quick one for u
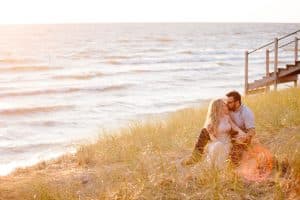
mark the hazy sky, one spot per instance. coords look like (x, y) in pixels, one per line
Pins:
(76, 11)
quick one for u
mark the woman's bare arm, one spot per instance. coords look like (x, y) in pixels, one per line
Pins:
(211, 132)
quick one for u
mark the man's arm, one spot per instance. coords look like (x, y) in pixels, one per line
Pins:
(249, 125)
(250, 134)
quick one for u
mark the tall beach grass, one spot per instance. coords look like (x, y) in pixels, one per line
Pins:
(142, 161)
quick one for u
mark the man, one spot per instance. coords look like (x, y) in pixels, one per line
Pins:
(243, 117)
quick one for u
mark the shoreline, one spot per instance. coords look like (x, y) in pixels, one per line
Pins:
(142, 118)
(149, 153)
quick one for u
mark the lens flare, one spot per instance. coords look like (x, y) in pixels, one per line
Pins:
(256, 164)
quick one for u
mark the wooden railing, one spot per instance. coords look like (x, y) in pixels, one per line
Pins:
(268, 51)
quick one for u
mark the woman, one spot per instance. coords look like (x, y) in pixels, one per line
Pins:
(256, 163)
(219, 126)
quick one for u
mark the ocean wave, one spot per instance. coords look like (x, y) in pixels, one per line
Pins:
(26, 148)
(188, 79)
(186, 52)
(116, 57)
(34, 110)
(164, 39)
(190, 57)
(109, 88)
(113, 62)
(85, 54)
(158, 61)
(123, 41)
(46, 123)
(81, 55)
(39, 92)
(133, 71)
(179, 69)
(64, 91)
(152, 50)
(79, 76)
(15, 61)
(224, 64)
(26, 69)
(179, 103)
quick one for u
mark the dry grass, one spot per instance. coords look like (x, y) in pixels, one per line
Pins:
(142, 161)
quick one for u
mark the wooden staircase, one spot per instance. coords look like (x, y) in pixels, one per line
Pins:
(279, 75)
(284, 75)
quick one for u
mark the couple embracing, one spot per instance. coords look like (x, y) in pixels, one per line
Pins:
(227, 134)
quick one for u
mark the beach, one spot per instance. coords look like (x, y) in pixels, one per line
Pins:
(110, 111)
(142, 161)
(61, 85)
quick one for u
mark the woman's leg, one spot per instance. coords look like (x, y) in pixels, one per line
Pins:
(219, 154)
(197, 153)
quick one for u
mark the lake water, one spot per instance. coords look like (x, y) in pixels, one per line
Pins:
(60, 84)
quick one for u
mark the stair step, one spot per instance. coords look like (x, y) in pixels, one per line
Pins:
(290, 65)
(272, 73)
(266, 77)
(284, 74)
(281, 69)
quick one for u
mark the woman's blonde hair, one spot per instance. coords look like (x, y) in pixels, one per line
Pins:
(213, 115)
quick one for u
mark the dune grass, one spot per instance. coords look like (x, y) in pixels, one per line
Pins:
(142, 161)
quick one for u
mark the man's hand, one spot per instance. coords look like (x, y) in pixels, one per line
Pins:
(246, 138)
(241, 138)
(251, 132)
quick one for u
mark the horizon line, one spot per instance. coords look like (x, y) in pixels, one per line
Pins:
(152, 22)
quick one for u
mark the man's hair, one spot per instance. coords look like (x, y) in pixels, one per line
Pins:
(236, 96)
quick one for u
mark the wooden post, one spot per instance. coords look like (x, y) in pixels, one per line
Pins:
(296, 57)
(267, 67)
(275, 63)
(296, 49)
(246, 72)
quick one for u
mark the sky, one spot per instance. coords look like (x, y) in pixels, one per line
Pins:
(91, 11)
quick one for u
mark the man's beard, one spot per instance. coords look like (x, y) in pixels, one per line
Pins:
(231, 109)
